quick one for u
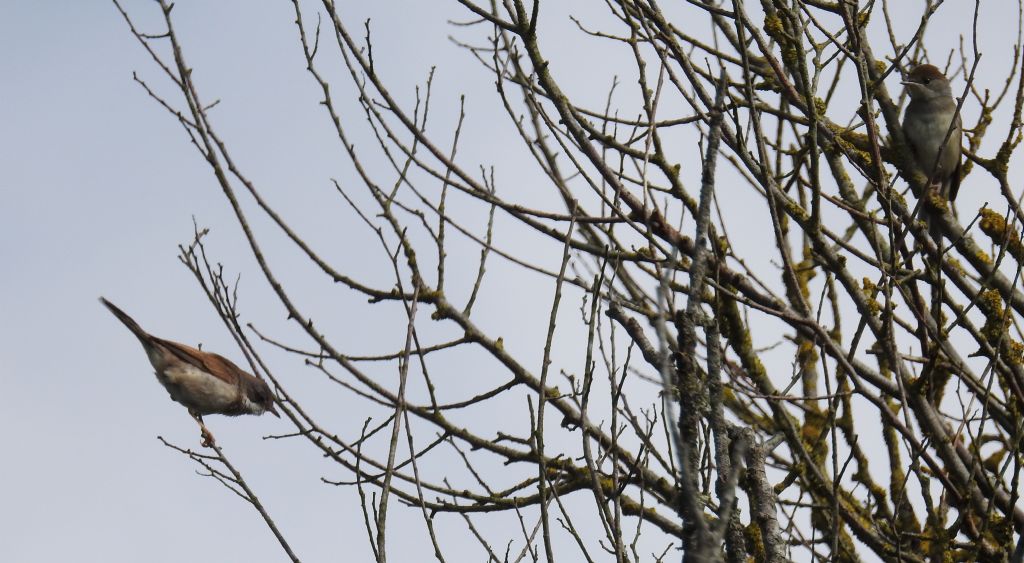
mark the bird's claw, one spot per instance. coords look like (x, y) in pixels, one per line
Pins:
(204, 432)
(207, 438)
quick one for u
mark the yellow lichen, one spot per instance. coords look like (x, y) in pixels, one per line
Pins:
(1013, 351)
(863, 18)
(773, 26)
(957, 265)
(994, 225)
(871, 290)
(820, 106)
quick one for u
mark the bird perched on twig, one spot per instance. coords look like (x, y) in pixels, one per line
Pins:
(932, 128)
(204, 382)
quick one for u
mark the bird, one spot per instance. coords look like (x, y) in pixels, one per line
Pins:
(932, 128)
(204, 382)
(927, 121)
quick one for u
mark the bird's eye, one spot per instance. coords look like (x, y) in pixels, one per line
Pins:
(927, 80)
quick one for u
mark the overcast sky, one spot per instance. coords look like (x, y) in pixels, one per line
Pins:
(98, 187)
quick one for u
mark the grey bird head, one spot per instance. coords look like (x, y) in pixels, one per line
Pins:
(259, 398)
(926, 82)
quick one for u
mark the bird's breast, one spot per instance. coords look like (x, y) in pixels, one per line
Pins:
(199, 390)
(925, 127)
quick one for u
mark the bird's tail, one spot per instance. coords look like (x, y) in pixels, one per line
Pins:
(128, 321)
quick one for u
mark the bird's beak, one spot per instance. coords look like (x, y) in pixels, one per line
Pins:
(272, 410)
(906, 82)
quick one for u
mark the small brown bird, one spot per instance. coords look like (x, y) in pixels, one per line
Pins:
(926, 123)
(204, 382)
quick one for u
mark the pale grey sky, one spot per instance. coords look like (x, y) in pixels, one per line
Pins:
(98, 186)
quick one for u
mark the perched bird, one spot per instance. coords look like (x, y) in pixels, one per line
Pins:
(933, 129)
(925, 125)
(204, 382)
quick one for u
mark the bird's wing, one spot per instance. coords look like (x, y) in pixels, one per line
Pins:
(214, 364)
(954, 179)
